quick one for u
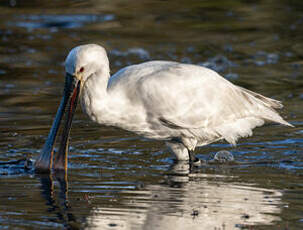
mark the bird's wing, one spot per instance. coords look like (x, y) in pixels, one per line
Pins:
(189, 96)
(195, 98)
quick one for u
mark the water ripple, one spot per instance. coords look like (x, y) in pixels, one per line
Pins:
(68, 21)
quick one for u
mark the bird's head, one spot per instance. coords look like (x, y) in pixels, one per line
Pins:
(85, 60)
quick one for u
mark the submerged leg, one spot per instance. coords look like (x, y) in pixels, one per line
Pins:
(182, 153)
(178, 150)
(192, 156)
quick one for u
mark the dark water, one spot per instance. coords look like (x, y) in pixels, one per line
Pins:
(117, 180)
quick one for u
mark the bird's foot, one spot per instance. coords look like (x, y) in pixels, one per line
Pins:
(194, 161)
(197, 162)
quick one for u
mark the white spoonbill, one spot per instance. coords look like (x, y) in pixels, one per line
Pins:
(182, 104)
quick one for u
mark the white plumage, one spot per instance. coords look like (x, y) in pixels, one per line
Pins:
(185, 105)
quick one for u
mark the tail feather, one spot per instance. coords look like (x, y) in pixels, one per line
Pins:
(264, 111)
(269, 102)
(268, 111)
(272, 116)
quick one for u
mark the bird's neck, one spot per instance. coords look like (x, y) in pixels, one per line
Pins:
(94, 96)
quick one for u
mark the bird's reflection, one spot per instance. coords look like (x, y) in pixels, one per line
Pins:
(192, 200)
(186, 199)
(57, 201)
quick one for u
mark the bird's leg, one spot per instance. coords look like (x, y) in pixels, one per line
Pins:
(178, 150)
(192, 157)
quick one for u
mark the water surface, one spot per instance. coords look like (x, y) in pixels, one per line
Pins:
(117, 180)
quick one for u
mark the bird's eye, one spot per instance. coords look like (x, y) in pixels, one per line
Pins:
(81, 69)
